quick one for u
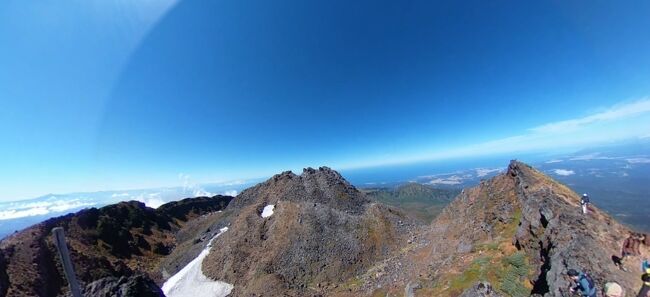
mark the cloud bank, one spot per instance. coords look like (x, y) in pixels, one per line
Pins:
(53, 204)
(630, 120)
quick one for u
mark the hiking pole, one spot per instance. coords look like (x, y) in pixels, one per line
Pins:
(62, 247)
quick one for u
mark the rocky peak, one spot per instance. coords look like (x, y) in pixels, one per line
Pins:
(532, 227)
(321, 186)
(553, 231)
(322, 234)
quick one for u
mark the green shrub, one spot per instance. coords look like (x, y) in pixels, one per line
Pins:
(512, 279)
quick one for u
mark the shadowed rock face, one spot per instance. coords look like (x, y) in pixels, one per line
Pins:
(134, 286)
(323, 233)
(4, 278)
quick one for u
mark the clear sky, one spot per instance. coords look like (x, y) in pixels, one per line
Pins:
(98, 95)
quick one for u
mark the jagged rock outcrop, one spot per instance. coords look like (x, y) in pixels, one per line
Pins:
(323, 233)
(323, 186)
(134, 286)
(557, 236)
(189, 208)
(115, 241)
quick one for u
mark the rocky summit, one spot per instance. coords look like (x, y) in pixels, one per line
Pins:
(521, 231)
(323, 233)
(315, 234)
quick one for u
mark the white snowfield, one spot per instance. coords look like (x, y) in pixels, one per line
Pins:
(268, 211)
(191, 282)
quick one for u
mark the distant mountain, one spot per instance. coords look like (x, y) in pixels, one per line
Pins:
(17, 215)
(423, 202)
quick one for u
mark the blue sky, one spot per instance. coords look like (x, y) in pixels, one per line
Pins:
(98, 95)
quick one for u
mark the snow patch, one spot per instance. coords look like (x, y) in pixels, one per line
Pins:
(191, 282)
(563, 172)
(268, 211)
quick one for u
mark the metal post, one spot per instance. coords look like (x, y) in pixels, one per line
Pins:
(62, 247)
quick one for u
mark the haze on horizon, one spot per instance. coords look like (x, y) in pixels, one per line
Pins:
(98, 95)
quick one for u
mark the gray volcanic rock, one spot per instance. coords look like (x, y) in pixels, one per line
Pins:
(482, 289)
(137, 285)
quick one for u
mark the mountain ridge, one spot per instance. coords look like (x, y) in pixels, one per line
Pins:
(515, 234)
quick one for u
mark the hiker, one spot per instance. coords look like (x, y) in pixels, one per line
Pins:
(613, 289)
(584, 202)
(627, 250)
(584, 284)
(636, 244)
(645, 266)
(645, 289)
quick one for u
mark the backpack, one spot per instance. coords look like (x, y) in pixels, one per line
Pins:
(590, 281)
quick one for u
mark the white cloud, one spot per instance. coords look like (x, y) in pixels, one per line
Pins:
(553, 161)
(638, 160)
(230, 193)
(116, 195)
(563, 172)
(481, 172)
(191, 188)
(27, 209)
(152, 200)
(452, 180)
(620, 111)
(620, 122)
(15, 214)
(592, 156)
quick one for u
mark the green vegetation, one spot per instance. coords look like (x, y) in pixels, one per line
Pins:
(478, 270)
(420, 201)
(512, 278)
(508, 274)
